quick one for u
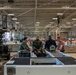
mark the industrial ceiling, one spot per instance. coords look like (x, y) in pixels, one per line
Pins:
(40, 15)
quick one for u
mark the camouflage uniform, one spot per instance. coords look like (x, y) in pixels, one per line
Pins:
(24, 46)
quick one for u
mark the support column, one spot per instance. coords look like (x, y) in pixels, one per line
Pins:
(57, 32)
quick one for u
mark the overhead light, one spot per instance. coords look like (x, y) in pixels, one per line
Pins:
(10, 14)
(73, 19)
(6, 6)
(38, 22)
(65, 7)
(47, 26)
(55, 18)
(68, 23)
(17, 22)
(14, 18)
(59, 13)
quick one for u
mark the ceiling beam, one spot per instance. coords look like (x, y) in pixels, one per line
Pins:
(56, 8)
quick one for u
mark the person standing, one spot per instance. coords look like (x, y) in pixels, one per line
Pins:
(24, 45)
(24, 49)
(60, 45)
(37, 44)
(50, 44)
(38, 48)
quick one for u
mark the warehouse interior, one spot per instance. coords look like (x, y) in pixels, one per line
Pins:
(42, 18)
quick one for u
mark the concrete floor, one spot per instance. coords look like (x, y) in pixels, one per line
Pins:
(72, 54)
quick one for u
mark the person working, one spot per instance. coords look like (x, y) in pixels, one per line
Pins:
(24, 49)
(50, 44)
(24, 45)
(37, 44)
(38, 48)
(60, 45)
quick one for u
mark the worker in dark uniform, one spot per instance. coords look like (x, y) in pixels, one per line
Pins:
(38, 47)
(50, 44)
(24, 48)
(37, 44)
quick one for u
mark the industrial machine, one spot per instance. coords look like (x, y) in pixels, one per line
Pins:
(57, 64)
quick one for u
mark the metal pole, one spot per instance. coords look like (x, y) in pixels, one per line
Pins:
(35, 16)
(35, 12)
(71, 36)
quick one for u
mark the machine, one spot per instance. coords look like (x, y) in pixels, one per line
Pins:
(57, 63)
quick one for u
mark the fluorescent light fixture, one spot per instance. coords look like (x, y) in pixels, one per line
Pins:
(14, 18)
(73, 19)
(47, 26)
(59, 13)
(10, 14)
(38, 22)
(17, 22)
(55, 18)
(65, 7)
